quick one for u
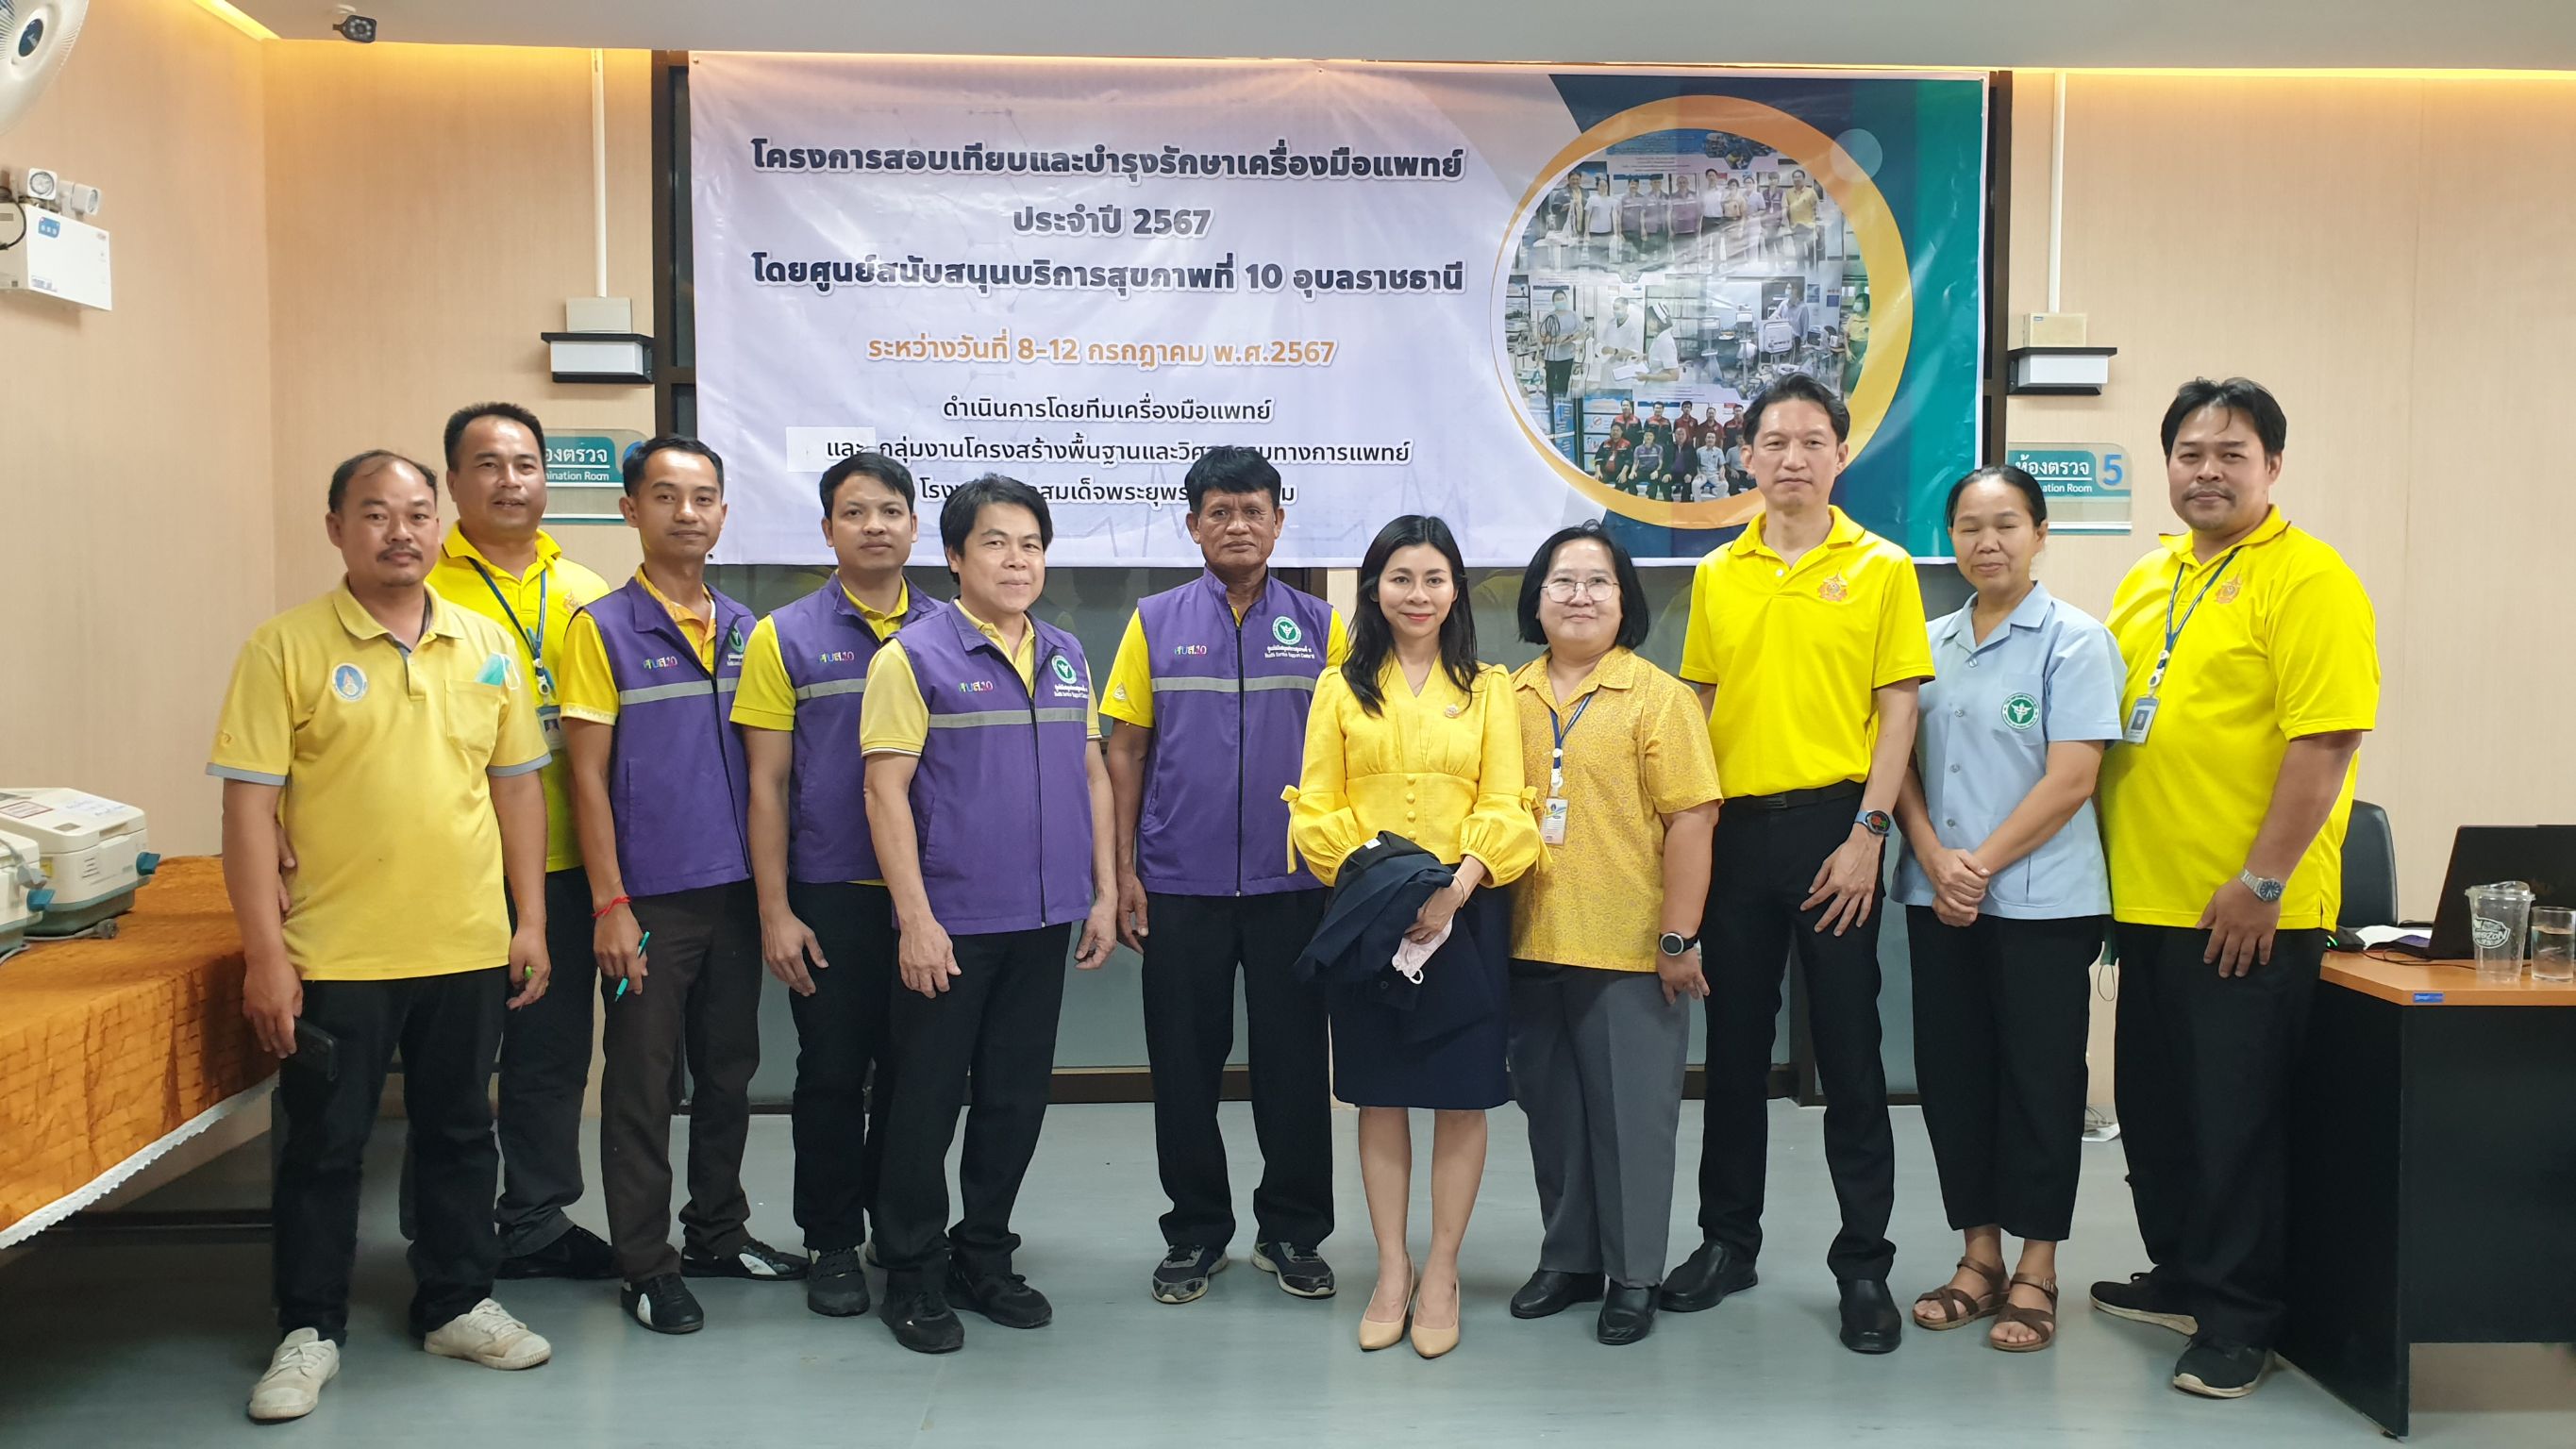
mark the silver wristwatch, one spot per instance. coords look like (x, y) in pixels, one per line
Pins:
(2265, 889)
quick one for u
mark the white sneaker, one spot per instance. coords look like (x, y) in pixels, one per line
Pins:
(488, 1335)
(304, 1362)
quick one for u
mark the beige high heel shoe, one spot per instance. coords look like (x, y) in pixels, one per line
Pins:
(1433, 1342)
(1378, 1333)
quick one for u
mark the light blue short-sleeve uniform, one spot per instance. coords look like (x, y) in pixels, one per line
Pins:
(2049, 674)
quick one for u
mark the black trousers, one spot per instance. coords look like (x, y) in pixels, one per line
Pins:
(700, 999)
(841, 1079)
(1765, 862)
(2203, 1071)
(2000, 1011)
(1191, 948)
(447, 1029)
(545, 1069)
(997, 1020)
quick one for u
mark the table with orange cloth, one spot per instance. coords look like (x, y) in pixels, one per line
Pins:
(114, 1051)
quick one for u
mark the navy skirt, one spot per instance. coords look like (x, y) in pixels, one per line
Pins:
(1381, 1055)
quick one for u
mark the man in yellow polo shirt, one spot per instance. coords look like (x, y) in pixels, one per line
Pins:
(2253, 673)
(1807, 642)
(498, 562)
(394, 736)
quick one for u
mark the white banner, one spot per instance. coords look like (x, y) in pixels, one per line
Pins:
(1083, 273)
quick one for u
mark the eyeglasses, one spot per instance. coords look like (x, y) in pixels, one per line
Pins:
(1566, 591)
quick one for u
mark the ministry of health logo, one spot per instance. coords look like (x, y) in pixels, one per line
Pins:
(1284, 629)
(1064, 672)
(2021, 711)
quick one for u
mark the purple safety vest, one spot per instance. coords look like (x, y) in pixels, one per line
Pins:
(1230, 705)
(827, 646)
(676, 777)
(1002, 799)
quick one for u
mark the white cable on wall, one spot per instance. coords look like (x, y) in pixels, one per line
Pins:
(2056, 194)
(599, 171)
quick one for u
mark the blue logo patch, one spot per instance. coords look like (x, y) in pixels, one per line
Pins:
(349, 682)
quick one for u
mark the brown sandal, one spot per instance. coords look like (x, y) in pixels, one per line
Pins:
(2040, 1321)
(1956, 1306)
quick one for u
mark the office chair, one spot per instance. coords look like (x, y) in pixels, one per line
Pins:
(2369, 869)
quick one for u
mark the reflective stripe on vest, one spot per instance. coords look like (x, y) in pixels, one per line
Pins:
(1301, 683)
(831, 687)
(656, 693)
(990, 718)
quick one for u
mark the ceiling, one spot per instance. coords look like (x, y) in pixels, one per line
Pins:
(2193, 34)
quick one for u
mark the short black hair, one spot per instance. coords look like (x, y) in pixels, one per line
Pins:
(1634, 618)
(2021, 482)
(465, 417)
(642, 453)
(2242, 396)
(867, 465)
(366, 462)
(957, 515)
(1798, 387)
(1230, 470)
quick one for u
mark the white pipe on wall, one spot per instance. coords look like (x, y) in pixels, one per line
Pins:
(2056, 193)
(599, 170)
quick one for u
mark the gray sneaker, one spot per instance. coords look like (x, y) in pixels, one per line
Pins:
(1182, 1276)
(1300, 1271)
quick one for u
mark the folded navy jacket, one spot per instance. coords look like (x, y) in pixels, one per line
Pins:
(1376, 895)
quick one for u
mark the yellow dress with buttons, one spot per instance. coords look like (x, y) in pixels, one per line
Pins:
(1441, 768)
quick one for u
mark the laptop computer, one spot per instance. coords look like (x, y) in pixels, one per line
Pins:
(2542, 855)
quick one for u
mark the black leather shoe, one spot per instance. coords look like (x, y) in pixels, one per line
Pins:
(1871, 1323)
(1005, 1298)
(575, 1253)
(663, 1304)
(922, 1320)
(1705, 1278)
(1549, 1292)
(1627, 1315)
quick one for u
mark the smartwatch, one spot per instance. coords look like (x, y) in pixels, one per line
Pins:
(1876, 822)
(1674, 943)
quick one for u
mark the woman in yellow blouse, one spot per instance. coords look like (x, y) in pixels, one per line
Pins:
(1605, 932)
(1412, 736)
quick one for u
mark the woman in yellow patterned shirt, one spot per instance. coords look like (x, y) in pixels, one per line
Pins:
(1412, 736)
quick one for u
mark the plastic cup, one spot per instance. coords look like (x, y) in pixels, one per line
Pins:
(2553, 943)
(2500, 929)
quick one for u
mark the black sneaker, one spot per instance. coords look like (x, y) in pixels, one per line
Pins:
(576, 1253)
(2146, 1298)
(754, 1259)
(2221, 1368)
(1301, 1273)
(1005, 1298)
(663, 1304)
(922, 1321)
(836, 1286)
(1182, 1276)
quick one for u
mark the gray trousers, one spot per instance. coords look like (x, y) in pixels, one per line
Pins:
(1596, 1060)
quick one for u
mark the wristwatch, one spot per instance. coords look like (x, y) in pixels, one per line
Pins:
(2265, 889)
(1674, 943)
(1876, 822)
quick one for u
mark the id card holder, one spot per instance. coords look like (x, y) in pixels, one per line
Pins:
(550, 725)
(2142, 717)
(1551, 820)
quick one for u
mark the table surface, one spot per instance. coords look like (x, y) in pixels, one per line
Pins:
(2439, 983)
(108, 1046)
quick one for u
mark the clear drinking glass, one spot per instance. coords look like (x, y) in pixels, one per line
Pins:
(2500, 929)
(2553, 943)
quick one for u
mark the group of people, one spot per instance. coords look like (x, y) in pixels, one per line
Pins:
(1444, 887)
(1679, 219)
(1681, 459)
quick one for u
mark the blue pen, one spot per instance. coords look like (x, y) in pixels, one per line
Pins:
(624, 982)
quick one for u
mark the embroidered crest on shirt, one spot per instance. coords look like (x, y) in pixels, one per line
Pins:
(2228, 590)
(1064, 672)
(349, 682)
(2021, 711)
(1833, 590)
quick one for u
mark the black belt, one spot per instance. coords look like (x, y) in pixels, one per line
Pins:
(1793, 799)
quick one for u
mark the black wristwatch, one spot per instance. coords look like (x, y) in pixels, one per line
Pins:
(1674, 943)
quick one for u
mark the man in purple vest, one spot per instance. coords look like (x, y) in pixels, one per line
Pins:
(826, 920)
(659, 787)
(990, 809)
(1210, 692)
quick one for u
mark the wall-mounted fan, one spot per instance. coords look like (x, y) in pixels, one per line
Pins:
(35, 42)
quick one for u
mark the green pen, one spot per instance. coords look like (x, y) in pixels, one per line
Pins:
(624, 982)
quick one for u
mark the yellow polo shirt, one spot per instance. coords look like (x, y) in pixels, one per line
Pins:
(588, 689)
(1635, 754)
(1795, 652)
(766, 698)
(543, 601)
(895, 719)
(385, 757)
(1131, 673)
(2283, 645)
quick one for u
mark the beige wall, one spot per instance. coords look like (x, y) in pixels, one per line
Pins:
(135, 535)
(2384, 254)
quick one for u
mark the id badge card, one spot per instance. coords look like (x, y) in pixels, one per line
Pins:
(550, 725)
(2142, 717)
(1551, 821)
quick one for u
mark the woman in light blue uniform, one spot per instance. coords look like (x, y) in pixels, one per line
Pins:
(2005, 893)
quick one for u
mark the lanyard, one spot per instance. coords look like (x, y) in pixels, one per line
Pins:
(2173, 630)
(537, 641)
(1563, 727)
